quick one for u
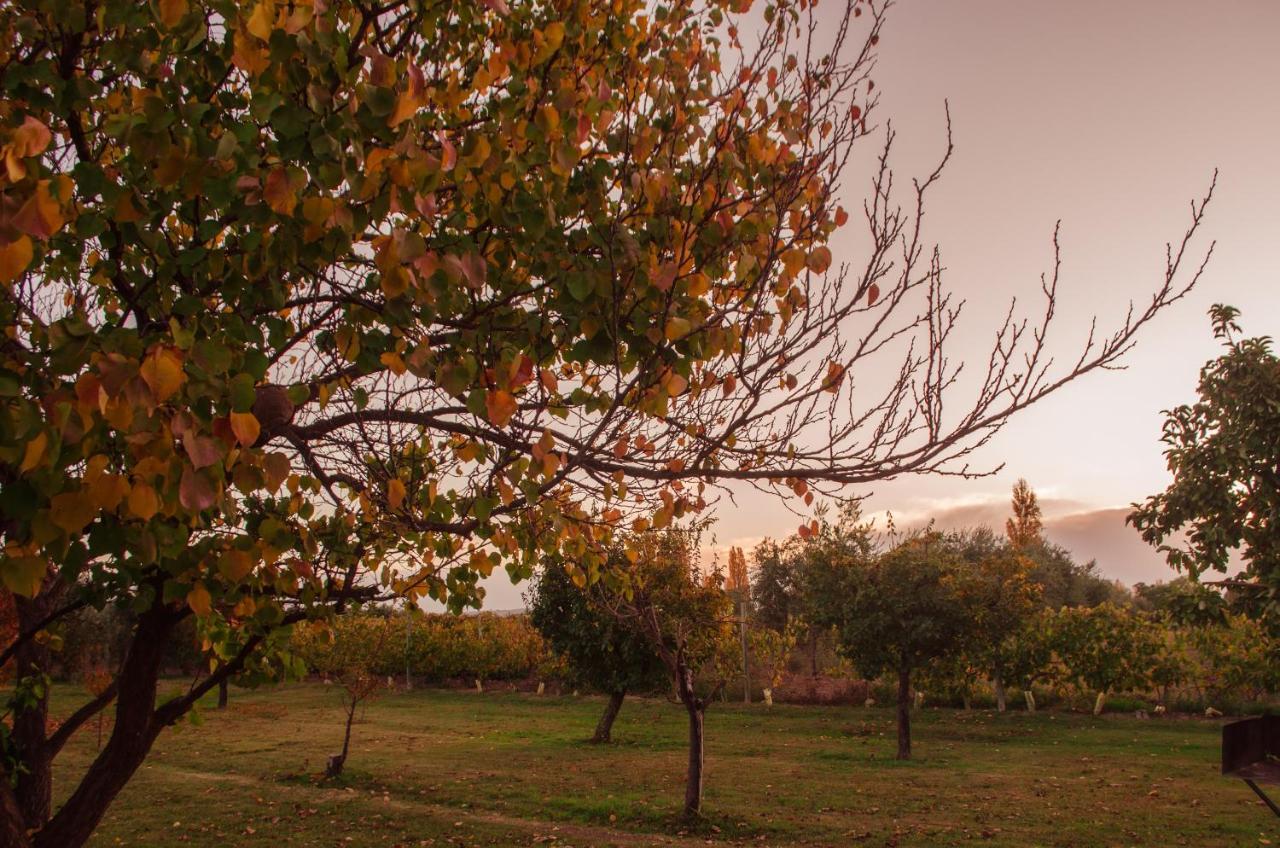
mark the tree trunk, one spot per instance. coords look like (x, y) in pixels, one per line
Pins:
(336, 763)
(696, 707)
(693, 782)
(136, 728)
(604, 728)
(34, 789)
(904, 713)
(1100, 703)
(746, 663)
(813, 652)
(222, 694)
(997, 683)
(1030, 698)
(966, 702)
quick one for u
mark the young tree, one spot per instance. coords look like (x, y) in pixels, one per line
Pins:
(1223, 452)
(901, 610)
(312, 304)
(689, 623)
(1029, 655)
(602, 651)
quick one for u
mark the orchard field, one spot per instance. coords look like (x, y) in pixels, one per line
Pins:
(438, 767)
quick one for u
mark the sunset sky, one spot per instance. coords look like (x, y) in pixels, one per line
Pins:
(1110, 116)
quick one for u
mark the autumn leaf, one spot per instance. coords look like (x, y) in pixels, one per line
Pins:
(235, 565)
(246, 428)
(835, 375)
(14, 259)
(499, 405)
(260, 22)
(23, 575)
(34, 451)
(873, 294)
(278, 192)
(199, 600)
(395, 493)
(142, 501)
(172, 12)
(162, 372)
(203, 451)
(40, 216)
(71, 511)
(195, 491)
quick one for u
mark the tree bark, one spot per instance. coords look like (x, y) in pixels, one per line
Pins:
(222, 694)
(904, 713)
(604, 728)
(34, 790)
(1100, 703)
(136, 728)
(1030, 698)
(693, 783)
(997, 683)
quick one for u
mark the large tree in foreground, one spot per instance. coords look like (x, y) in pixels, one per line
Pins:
(311, 303)
(1223, 451)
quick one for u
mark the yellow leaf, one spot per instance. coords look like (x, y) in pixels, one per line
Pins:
(23, 574)
(395, 494)
(199, 600)
(235, 565)
(172, 12)
(260, 22)
(143, 502)
(162, 372)
(35, 451)
(14, 259)
(71, 511)
(245, 426)
(554, 34)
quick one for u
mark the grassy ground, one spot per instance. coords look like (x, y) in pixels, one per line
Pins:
(461, 768)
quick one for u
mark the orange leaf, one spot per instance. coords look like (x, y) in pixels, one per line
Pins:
(14, 259)
(278, 192)
(172, 12)
(34, 452)
(245, 426)
(873, 294)
(500, 406)
(395, 494)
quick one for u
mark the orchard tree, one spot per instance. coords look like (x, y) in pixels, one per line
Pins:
(602, 651)
(1224, 454)
(308, 304)
(1001, 597)
(901, 611)
(1105, 649)
(1028, 655)
(689, 623)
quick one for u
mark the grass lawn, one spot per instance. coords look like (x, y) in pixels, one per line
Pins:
(461, 768)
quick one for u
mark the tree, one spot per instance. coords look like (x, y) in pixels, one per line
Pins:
(1029, 655)
(602, 651)
(738, 585)
(1001, 597)
(901, 610)
(1105, 649)
(689, 623)
(1025, 527)
(1223, 452)
(315, 304)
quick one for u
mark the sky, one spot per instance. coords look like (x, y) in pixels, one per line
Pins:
(1111, 117)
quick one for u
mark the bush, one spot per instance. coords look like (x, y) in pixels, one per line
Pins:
(438, 647)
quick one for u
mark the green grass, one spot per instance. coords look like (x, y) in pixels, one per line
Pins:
(461, 768)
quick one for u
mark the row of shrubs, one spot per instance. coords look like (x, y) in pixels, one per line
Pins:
(431, 648)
